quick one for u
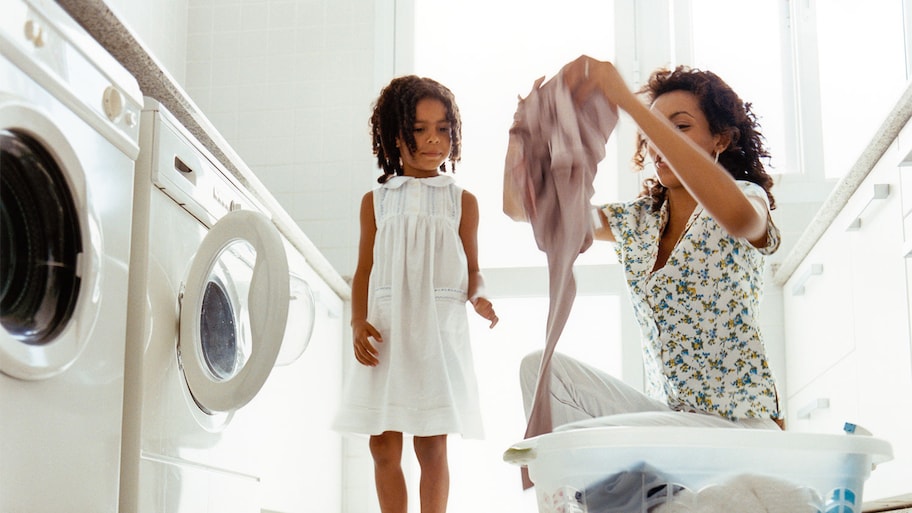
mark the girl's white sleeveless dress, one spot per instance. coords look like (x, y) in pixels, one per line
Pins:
(425, 382)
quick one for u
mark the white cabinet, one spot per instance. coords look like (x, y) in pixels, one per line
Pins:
(818, 313)
(847, 335)
(827, 402)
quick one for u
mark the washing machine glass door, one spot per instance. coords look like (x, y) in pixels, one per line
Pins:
(43, 267)
(301, 318)
(233, 311)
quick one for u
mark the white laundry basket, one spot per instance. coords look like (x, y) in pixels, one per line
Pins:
(566, 466)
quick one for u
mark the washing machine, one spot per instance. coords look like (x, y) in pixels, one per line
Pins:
(209, 295)
(299, 451)
(69, 136)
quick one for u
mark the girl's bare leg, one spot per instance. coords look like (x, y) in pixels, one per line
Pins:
(386, 450)
(434, 486)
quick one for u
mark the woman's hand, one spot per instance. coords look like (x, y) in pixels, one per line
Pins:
(484, 308)
(365, 352)
(585, 76)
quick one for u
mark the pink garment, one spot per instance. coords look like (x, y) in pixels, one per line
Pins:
(553, 151)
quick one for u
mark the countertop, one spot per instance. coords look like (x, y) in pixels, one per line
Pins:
(847, 185)
(154, 81)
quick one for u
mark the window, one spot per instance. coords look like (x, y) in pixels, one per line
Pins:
(861, 51)
(488, 53)
(748, 55)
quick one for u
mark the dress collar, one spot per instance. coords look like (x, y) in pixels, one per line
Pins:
(434, 181)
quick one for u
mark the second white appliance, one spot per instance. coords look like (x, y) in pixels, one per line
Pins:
(208, 305)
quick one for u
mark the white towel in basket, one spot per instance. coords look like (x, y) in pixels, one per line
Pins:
(745, 493)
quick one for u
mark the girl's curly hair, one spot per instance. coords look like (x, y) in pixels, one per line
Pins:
(394, 116)
(726, 113)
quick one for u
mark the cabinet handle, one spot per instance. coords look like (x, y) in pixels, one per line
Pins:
(821, 403)
(812, 270)
(881, 191)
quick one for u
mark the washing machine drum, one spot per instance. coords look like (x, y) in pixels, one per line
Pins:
(40, 248)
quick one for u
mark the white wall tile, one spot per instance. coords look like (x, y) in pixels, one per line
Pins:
(226, 46)
(200, 18)
(281, 41)
(227, 17)
(255, 16)
(255, 71)
(199, 47)
(252, 43)
(225, 120)
(310, 38)
(279, 151)
(198, 75)
(282, 15)
(224, 98)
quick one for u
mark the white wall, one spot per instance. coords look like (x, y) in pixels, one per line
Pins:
(289, 84)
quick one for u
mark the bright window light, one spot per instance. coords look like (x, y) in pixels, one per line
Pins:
(489, 52)
(861, 52)
(751, 64)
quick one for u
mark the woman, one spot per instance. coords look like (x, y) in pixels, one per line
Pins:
(692, 246)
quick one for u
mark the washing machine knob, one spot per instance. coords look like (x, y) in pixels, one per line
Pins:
(34, 33)
(113, 102)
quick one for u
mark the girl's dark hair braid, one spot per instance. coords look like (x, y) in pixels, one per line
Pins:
(726, 113)
(394, 116)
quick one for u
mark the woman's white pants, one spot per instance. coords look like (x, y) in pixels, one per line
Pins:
(586, 396)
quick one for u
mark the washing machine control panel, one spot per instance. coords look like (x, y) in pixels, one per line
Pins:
(184, 172)
(44, 42)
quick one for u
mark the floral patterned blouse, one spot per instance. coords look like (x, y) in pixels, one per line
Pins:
(699, 313)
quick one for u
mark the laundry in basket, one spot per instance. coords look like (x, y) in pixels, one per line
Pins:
(825, 471)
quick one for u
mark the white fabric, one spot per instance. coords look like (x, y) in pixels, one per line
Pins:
(425, 383)
(745, 494)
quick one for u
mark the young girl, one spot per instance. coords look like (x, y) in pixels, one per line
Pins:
(692, 247)
(417, 266)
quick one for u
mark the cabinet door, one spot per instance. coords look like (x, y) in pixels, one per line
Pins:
(862, 365)
(881, 332)
(828, 402)
(879, 300)
(818, 313)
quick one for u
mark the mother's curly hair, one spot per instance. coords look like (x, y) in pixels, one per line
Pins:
(726, 113)
(394, 116)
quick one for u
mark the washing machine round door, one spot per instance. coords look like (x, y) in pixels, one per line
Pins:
(234, 311)
(48, 245)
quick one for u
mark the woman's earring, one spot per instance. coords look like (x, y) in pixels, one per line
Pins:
(717, 157)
